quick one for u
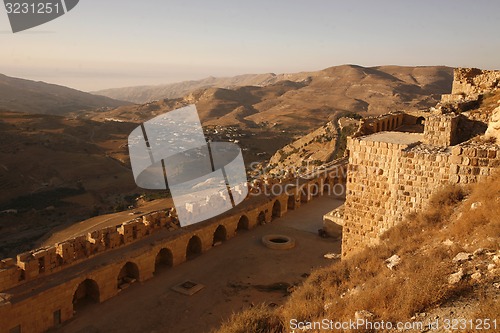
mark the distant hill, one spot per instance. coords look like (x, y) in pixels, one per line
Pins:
(43, 98)
(144, 94)
(432, 79)
(305, 100)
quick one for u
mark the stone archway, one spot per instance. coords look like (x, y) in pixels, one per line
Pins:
(276, 209)
(128, 275)
(304, 194)
(164, 260)
(315, 189)
(291, 202)
(327, 187)
(243, 223)
(193, 248)
(220, 235)
(261, 219)
(85, 294)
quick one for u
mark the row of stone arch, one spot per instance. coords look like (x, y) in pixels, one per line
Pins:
(387, 124)
(88, 291)
(103, 282)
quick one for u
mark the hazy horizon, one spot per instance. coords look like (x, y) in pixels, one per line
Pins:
(160, 82)
(119, 44)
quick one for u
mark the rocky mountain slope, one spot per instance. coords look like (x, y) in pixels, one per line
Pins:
(144, 94)
(316, 148)
(305, 101)
(43, 98)
(347, 87)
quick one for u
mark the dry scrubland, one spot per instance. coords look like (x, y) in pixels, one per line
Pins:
(55, 171)
(449, 258)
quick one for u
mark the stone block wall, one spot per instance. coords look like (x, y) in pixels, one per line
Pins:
(441, 129)
(40, 262)
(473, 162)
(333, 222)
(470, 83)
(387, 181)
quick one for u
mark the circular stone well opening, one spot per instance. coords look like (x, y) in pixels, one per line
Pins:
(278, 242)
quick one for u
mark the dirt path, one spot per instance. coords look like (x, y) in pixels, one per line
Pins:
(230, 273)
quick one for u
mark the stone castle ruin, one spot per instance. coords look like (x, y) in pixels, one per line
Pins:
(395, 163)
(398, 160)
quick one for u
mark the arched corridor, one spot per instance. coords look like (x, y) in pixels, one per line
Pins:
(128, 274)
(86, 293)
(220, 235)
(261, 219)
(304, 194)
(315, 189)
(243, 223)
(276, 209)
(164, 260)
(291, 202)
(193, 248)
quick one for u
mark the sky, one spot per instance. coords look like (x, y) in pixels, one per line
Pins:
(117, 43)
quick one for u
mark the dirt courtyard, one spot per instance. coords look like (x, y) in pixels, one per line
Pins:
(236, 274)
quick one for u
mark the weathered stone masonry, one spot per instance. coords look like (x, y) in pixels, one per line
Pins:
(387, 181)
(392, 174)
(470, 83)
